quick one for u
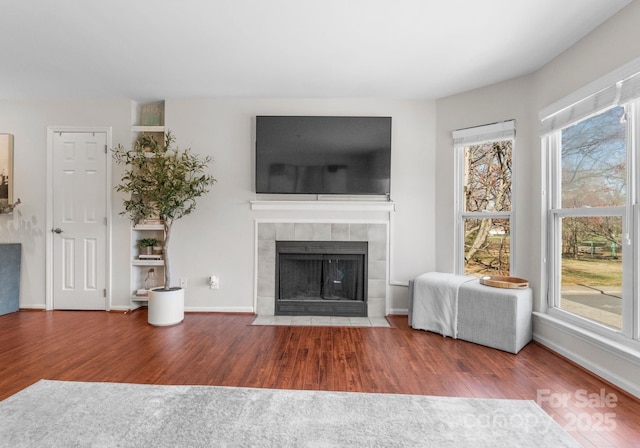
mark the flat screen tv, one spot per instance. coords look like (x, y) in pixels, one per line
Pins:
(323, 155)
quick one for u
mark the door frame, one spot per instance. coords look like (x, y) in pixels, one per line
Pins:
(51, 130)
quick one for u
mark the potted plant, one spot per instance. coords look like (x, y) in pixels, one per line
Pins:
(146, 245)
(147, 142)
(162, 183)
(157, 248)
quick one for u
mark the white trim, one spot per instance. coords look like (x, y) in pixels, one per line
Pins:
(463, 138)
(458, 206)
(196, 309)
(390, 251)
(586, 212)
(631, 319)
(32, 307)
(147, 129)
(503, 130)
(398, 283)
(319, 221)
(356, 206)
(605, 331)
(399, 311)
(487, 215)
(580, 111)
(256, 240)
(51, 130)
(552, 216)
(124, 308)
(48, 290)
(219, 309)
(590, 89)
(628, 354)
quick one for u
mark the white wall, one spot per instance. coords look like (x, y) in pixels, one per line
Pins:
(219, 237)
(500, 102)
(612, 45)
(28, 120)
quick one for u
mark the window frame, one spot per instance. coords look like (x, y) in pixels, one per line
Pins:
(463, 138)
(553, 214)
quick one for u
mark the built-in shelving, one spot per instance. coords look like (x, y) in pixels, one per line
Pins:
(148, 119)
(140, 267)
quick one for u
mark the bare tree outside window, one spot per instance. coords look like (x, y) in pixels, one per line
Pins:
(594, 158)
(487, 188)
(593, 161)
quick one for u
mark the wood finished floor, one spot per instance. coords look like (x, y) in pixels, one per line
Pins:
(225, 350)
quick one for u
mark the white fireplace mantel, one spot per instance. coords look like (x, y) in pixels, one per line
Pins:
(337, 205)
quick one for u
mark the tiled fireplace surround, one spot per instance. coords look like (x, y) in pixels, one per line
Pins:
(375, 233)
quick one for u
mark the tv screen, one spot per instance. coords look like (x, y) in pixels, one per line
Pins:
(323, 155)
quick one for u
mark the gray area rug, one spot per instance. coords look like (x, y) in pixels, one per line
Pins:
(75, 414)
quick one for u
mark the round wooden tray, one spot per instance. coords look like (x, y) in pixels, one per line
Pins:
(498, 281)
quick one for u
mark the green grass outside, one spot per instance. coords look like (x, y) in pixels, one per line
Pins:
(582, 271)
(594, 272)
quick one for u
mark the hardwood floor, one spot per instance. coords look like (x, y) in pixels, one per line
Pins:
(224, 349)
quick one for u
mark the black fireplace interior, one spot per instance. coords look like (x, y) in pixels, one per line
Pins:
(326, 278)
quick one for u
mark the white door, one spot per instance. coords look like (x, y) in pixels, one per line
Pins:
(79, 220)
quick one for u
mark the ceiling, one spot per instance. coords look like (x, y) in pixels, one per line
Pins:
(158, 49)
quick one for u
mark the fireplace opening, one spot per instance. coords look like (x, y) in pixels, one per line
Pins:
(321, 278)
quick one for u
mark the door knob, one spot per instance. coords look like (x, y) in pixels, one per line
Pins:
(57, 230)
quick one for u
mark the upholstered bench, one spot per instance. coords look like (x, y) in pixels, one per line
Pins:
(495, 317)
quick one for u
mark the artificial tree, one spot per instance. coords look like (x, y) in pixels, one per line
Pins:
(161, 182)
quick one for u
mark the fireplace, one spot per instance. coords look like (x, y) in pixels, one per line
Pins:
(373, 233)
(321, 278)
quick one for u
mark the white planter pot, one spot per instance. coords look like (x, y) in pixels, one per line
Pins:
(166, 307)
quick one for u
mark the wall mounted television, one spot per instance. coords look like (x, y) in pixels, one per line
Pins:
(340, 155)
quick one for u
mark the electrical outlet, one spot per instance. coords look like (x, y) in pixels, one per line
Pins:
(183, 282)
(214, 282)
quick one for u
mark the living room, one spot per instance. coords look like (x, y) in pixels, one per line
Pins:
(220, 238)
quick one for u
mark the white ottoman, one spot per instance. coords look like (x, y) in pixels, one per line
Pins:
(495, 317)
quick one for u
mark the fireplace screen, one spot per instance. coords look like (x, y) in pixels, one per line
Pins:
(326, 278)
(311, 277)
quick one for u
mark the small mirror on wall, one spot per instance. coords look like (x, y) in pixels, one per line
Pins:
(6, 172)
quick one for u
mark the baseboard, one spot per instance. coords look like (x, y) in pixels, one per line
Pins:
(608, 376)
(400, 311)
(196, 309)
(399, 283)
(123, 309)
(596, 369)
(231, 309)
(32, 307)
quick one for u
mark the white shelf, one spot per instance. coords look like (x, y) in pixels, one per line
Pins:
(149, 227)
(138, 262)
(346, 205)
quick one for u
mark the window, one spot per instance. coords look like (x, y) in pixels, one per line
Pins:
(588, 213)
(592, 233)
(484, 240)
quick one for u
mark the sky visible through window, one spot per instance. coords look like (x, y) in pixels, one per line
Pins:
(593, 161)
